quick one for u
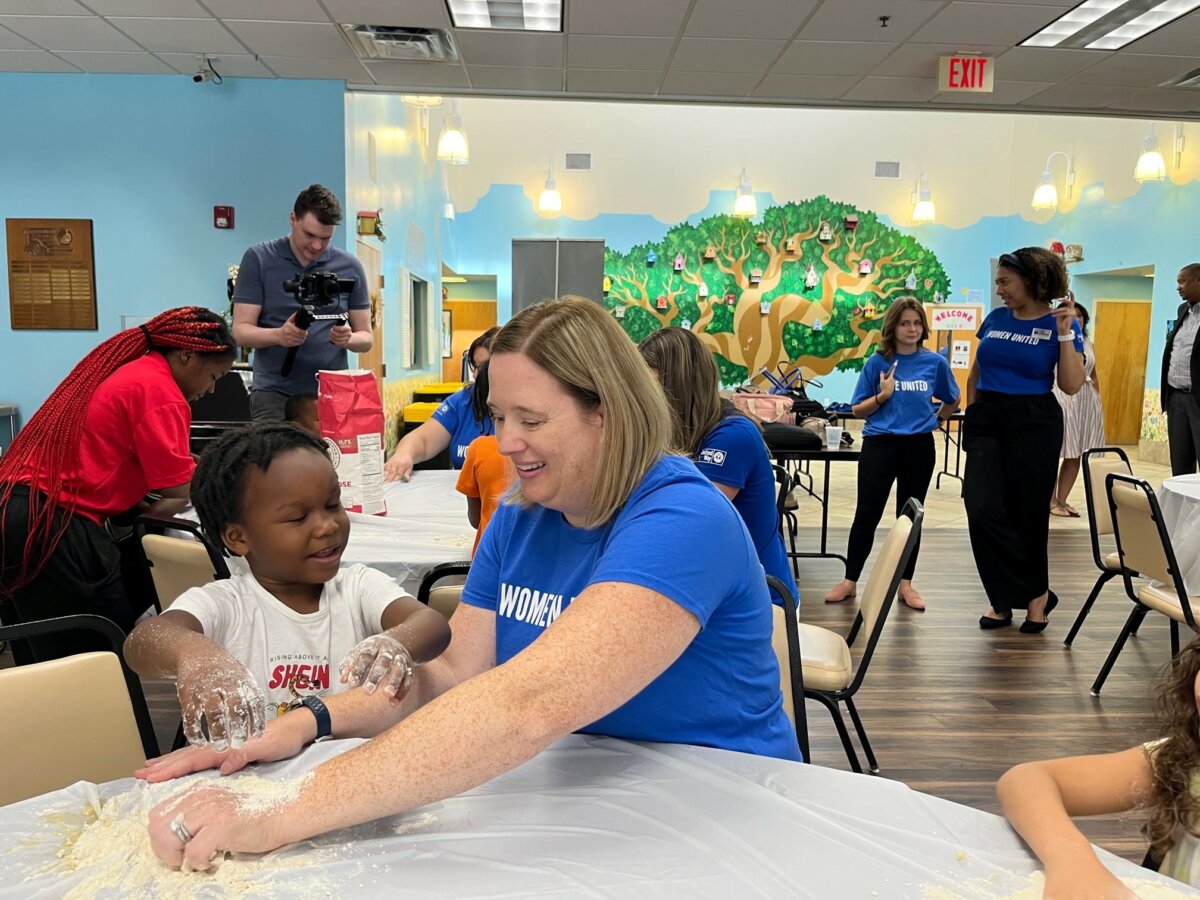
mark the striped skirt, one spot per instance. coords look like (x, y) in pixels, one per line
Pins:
(1083, 420)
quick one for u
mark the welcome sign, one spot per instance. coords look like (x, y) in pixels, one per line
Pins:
(951, 318)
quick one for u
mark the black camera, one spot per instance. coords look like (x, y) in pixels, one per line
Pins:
(318, 288)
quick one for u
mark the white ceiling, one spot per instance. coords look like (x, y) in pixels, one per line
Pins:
(782, 52)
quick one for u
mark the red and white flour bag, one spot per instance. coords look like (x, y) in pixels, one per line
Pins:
(351, 416)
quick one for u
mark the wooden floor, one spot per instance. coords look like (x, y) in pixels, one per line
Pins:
(949, 707)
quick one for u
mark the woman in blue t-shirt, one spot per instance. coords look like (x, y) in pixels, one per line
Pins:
(1013, 433)
(596, 603)
(453, 424)
(896, 394)
(727, 449)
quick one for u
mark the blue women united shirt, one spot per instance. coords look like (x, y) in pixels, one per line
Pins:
(457, 416)
(675, 535)
(734, 454)
(1019, 356)
(920, 376)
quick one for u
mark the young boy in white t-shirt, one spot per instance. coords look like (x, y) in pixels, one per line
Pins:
(262, 642)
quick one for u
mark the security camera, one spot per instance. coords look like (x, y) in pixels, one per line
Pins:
(202, 75)
(205, 71)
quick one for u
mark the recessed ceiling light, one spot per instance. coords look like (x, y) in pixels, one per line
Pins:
(1109, 24)
(507, 15)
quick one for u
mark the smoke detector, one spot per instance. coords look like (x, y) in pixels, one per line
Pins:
(391, 42)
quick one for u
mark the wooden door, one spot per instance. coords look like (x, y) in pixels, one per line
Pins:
(372, 261)
(1121, 332)
(468, 320)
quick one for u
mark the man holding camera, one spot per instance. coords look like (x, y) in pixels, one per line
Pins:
(265, 313)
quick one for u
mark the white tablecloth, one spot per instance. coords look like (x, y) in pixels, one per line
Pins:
(1179, 498)
(598, 817)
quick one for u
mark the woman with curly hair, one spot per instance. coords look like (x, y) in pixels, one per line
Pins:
(1039, 798)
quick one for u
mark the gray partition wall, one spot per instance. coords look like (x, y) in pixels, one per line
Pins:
(552, 267)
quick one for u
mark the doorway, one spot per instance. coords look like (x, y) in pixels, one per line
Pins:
(1121, 334)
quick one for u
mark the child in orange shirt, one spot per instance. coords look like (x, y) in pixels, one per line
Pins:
(485, 475)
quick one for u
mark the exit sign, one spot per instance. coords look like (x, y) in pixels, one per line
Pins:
(966, 74)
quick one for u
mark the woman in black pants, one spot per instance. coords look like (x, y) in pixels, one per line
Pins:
(895, 394)
(1013, 432)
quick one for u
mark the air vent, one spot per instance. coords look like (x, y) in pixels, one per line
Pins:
(388, 42)
(1187, 80)
(888, 170)
(578, 162)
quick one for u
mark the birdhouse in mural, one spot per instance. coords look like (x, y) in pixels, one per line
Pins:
(851, 222)
(764, 307)
(865, 267)
(685, 323)
(710, 253)
(790, 245)
(755, 276)
(869, 311)
(818, 326)
(939, 297)
(620, 312)
(810, 277)
(731, 299)
(651, 258)
(607, 284)
(702, 290)
(678, 262)
(760, 237)
(661, 302)
(825, 233)
(910, 283)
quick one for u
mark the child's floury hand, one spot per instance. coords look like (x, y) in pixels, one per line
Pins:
(379, 660)
(220, 696)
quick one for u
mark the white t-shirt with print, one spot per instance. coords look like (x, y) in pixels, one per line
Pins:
(282, 647)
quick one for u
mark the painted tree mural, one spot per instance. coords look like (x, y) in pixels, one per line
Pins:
(750, 302)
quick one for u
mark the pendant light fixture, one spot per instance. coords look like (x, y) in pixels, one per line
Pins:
(550, 201)
(923, 208)
(1150, 165)
(452, 145)
(745, 206)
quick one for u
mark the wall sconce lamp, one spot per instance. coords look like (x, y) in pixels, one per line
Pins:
(550, 201)
(1150, 165)
(923, 208)
(1045, 196)
(452, 145)
(745, 206)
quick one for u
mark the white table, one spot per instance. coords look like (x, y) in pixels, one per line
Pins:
(598, 817)
(1179, 498)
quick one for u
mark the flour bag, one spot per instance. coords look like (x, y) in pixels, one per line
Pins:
(351, 416)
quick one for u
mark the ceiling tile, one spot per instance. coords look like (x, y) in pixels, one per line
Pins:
(506, 48)
(32, 61)
(760, 19)
(1077, 96)
(310, 67)
(805, 87)
(69, 32)
(1136, 70)
(921, 60)
(180, 35)
(708, 84)
(416, 13)
(612, 81)
(268, 10)
(10, 40)
(734, 55)
(229, 65)
(1004, 93)
(140, 62)
(920, 90)
(322, 40)
(1180, 38)
(659, 18)
(831, 57)
(158, 9)
(588, 51)
(418, 74)
(44, 8)
(1163, 100)
(1000, 23)
(1043, 63)
(516, 78)
(858, 20)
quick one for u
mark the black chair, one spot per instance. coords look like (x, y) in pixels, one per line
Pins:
(784, 490)
(443, 597)
(791, 669)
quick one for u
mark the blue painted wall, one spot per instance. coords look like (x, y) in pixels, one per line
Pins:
(146, 158)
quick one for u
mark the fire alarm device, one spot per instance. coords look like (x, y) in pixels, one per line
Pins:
(222, 217)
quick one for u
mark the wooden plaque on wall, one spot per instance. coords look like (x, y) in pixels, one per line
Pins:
(51, 274)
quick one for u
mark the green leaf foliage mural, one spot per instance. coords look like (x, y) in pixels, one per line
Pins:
(774, 291)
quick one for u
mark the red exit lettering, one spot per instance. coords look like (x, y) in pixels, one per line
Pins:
(966, 73)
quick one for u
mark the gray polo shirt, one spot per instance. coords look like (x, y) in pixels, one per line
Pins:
(260, 280)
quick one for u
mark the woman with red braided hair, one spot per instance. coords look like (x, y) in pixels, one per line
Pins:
(114, 430)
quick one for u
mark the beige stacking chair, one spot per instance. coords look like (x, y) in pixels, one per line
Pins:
(785, 639)
(443, 597)
(177, 563)
(1144, 546)
(830, 675)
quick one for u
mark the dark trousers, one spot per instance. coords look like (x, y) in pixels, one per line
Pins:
(1012, 443)
(1183, 431)
(83, 575)
(905, 460)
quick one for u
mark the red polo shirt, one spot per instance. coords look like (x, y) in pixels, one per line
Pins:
(135, 440)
